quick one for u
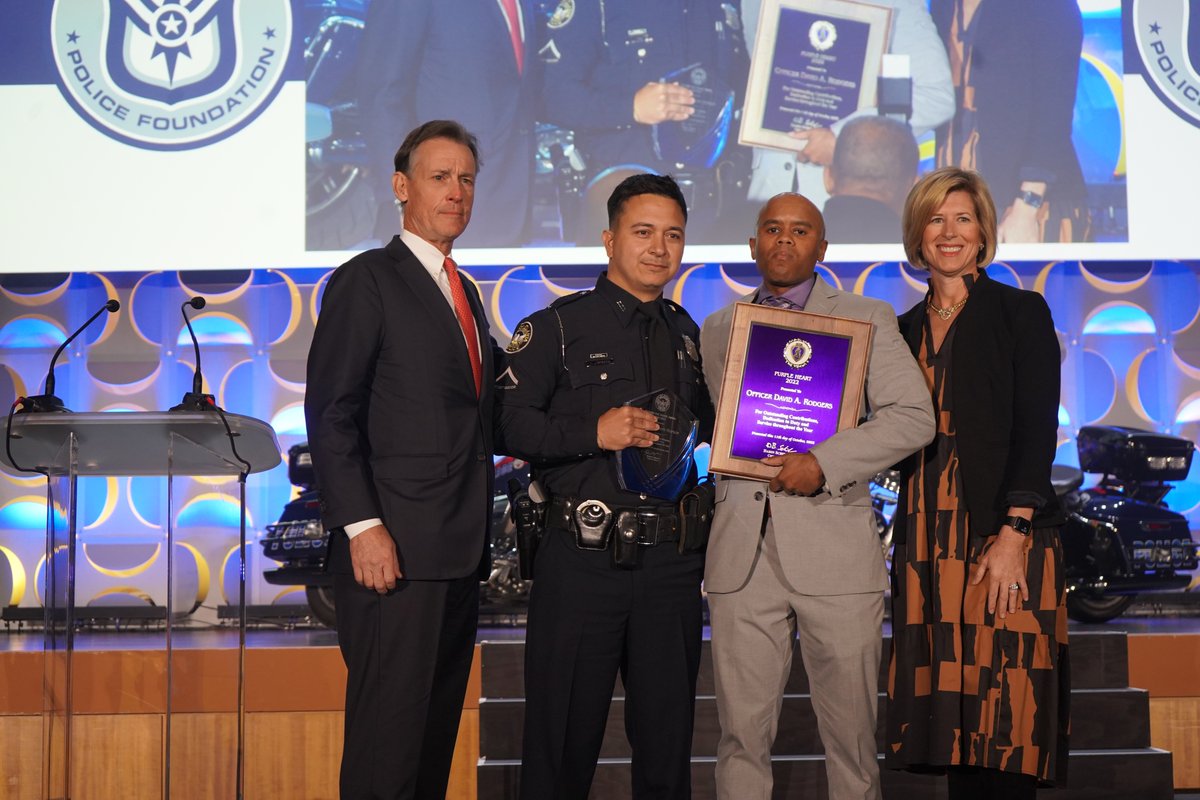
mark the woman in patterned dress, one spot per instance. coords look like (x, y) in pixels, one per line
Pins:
(979, 683)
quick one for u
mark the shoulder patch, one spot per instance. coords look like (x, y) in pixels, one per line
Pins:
(563, 13)
(521, 337)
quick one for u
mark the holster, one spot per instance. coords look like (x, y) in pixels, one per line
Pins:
(696, 515)
(529, 518)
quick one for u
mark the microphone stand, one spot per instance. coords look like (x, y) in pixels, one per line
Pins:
(48, 402)
(196, 399)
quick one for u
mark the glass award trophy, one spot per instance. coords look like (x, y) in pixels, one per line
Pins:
(662, 469)
(699, 139)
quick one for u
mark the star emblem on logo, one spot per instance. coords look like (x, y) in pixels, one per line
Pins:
(170, 25)
(1155, 28)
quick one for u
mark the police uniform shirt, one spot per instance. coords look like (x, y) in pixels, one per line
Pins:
(598, 55)
(572, 362)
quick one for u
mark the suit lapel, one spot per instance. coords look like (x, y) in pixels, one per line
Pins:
(431, 300)
(822, 299)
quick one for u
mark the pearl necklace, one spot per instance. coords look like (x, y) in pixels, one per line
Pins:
(946, 313)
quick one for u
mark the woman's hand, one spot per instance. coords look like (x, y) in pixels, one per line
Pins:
(1018, 224)
(1004, 565)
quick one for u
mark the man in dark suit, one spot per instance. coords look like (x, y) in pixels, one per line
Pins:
(399, 412)
(470, 60)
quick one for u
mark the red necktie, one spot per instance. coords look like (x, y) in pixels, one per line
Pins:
(463, 311)
(514, 30)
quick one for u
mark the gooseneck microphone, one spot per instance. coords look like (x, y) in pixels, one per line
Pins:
(40, 403)
(196, 399)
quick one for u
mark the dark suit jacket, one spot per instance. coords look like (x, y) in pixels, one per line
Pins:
(1005, 390)
(394, 425)
(453, 59)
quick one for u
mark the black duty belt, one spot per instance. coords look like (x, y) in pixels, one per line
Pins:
(655, 524)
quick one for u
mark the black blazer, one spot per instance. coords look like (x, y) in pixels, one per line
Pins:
(1005, 390)
(394, 425)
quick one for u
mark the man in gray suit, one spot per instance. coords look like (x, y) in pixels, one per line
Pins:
(802, 553)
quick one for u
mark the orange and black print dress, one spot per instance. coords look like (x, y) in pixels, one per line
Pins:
(966, 688)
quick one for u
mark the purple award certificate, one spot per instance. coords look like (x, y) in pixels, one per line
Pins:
(792, 380)
(791, 391)
(813, 63)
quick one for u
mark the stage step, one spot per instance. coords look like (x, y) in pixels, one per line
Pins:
(1143, 773)
(1099, 660)
(1100, 719)
(1110, 731)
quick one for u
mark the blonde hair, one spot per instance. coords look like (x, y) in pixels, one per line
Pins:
(927, 197)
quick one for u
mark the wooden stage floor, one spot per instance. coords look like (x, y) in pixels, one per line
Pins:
(294, 694)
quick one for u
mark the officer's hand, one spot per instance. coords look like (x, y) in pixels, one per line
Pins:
(800, 474)
(819, 149)
(626, 426)
(373, 554)
(659, 102)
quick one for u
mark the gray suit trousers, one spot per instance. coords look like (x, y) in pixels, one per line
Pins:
(754, 631)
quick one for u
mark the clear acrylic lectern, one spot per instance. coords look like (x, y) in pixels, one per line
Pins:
(67, 446)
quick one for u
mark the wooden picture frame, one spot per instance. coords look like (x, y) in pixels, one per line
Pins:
(813, 63)
(792, 379)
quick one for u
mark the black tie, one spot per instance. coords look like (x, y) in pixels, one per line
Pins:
(659, 350)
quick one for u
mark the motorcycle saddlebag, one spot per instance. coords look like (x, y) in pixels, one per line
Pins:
(1129, 454)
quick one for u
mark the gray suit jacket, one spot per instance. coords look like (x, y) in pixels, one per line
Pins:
(828, 544)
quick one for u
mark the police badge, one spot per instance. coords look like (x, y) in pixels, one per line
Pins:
(690, 346)
(661, 470)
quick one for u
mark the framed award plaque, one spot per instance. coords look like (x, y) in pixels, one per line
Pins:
(792, 379)
(814, 62)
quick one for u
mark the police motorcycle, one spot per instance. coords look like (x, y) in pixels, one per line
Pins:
(340, 206)
(300, 543)
(1120, 539)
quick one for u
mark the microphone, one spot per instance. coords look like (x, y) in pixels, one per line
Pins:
(41, 403)
(196, 399)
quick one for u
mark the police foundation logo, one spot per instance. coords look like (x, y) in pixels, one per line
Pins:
(1166, 51)
(170, 74)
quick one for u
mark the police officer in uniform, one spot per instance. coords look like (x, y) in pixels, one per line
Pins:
(594, 612)
(604, 65)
